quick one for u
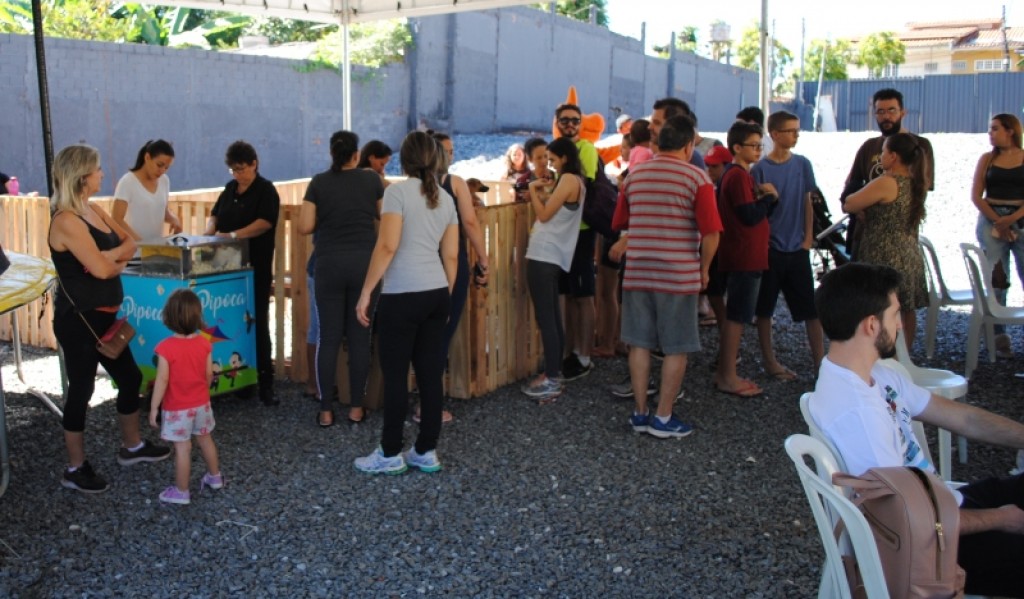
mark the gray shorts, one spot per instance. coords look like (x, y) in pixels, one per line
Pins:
(666, 320)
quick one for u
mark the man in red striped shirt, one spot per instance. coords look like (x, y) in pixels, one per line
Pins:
(668, 206)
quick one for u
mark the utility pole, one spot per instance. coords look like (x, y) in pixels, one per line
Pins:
(803, 53)
(1006, 45)
(765, 66)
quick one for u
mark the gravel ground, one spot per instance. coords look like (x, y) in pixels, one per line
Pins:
(555, 501)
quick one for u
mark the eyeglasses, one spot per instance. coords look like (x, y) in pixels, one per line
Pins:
(755, 146)
(569, 120)
(887, 111)
(234, 170)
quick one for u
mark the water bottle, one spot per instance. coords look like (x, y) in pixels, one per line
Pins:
(13, 187)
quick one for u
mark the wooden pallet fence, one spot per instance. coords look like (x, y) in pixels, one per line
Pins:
(497, 342)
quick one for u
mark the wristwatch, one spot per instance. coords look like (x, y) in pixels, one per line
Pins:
(234, 235)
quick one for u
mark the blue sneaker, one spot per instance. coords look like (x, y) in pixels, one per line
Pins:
(376, 463)
(639, 422)
(673, 428)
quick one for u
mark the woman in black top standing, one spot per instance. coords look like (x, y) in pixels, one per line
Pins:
(89, 252)
(342, 205)
(247, 209)
(998, 193)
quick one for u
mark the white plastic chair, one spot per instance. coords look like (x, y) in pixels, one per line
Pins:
(939, 294)
(987, 310)
(829, 505)
(922, 439)
(943, 383)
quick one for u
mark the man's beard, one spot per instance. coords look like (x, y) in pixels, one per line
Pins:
(885, 345)
(896, 128)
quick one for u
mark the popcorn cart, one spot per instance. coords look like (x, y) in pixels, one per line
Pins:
(218, 271)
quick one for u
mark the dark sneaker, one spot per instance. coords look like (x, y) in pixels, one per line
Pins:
(673, 428)
(147, 453)
(625, 388)
(268, 399)
(84, 479)
(573, 369)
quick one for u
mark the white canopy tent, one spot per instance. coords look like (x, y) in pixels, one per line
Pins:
(343, 13)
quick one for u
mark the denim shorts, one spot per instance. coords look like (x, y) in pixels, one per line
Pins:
(741, 295)
(666, 320)
(181, 425)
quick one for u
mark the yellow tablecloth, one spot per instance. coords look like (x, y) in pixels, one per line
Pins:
(27, 279)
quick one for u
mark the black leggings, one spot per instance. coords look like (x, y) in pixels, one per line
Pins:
(543, 278)
(460, 291)
(339, 281)
(410, 328)
(261, 282)
(81, 358)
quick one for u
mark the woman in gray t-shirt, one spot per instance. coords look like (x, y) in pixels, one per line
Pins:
(417, 219)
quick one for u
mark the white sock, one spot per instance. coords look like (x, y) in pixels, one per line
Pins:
(137, 447)
(585, 360)
(664, 419)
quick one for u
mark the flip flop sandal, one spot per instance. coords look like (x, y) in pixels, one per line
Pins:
(747, 390)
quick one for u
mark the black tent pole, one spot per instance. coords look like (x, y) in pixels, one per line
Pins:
(44, 92)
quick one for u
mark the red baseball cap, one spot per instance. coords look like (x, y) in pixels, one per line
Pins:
(718, 155)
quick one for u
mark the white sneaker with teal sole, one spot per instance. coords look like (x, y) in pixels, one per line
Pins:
(376, 463)
(426, 462)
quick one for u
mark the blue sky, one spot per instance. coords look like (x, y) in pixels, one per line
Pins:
(823, 18)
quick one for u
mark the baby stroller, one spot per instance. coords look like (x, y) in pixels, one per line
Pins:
(829, 250)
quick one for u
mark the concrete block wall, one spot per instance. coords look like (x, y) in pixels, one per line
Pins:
(472, 72)
(117, 96)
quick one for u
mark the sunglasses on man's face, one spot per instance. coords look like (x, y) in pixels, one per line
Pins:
(569, 120)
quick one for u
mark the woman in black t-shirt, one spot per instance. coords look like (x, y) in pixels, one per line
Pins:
(342, 205)
(248, 209)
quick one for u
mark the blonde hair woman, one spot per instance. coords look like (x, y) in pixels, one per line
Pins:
(89, 252)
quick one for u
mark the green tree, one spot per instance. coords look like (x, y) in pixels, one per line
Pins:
(748, 53)
(74, 19)
(282, 31)
(880, 50)
(372, 44)
(837, 54)
(686, 41)
(579, 10)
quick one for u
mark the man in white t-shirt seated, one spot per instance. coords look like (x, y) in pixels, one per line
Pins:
(865, 409)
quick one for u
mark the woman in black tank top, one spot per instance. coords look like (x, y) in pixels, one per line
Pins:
(998, 193)
(89, 252)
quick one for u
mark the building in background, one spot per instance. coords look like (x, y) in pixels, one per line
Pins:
(961, 47)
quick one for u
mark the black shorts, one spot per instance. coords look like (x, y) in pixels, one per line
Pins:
(716, 280)
(580, 280)
(606, 245)
(790, 273)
